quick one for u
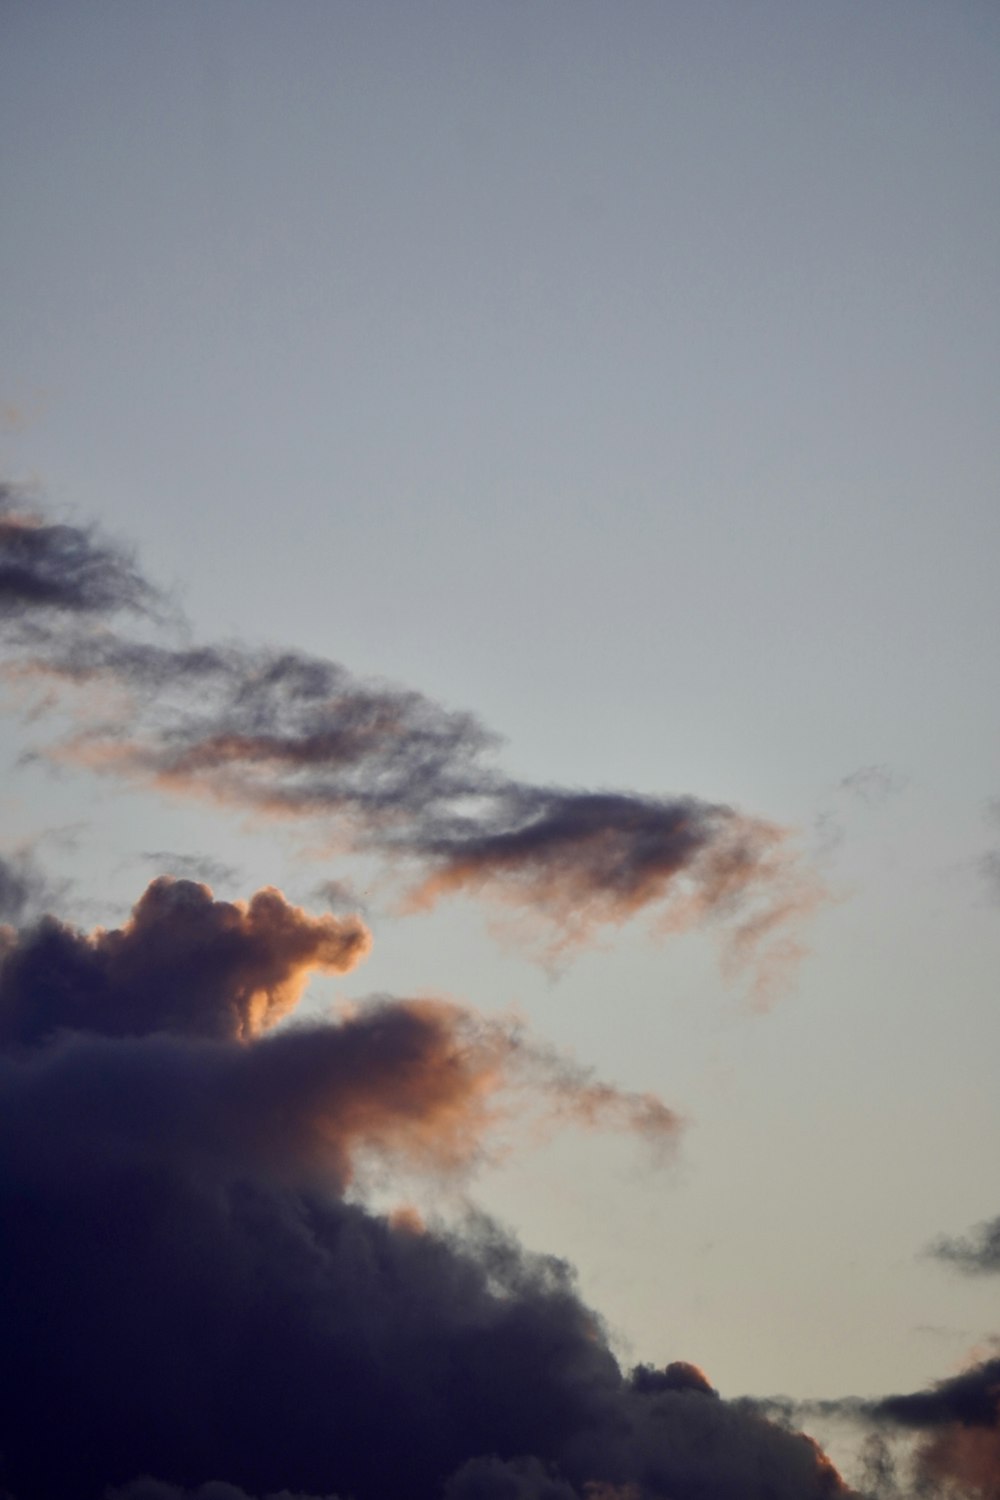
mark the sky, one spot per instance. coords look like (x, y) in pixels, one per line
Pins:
(521, 481)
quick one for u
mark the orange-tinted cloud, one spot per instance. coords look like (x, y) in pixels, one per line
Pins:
(589, 861)
(183, 963)
(427, 1086)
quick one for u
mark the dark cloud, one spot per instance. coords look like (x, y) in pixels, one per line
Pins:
(958, 1426)
(49, 569)
(520, 1479)
(155, 1489)
(184, 962)
(23, 886)
(193, 1296)
(954, 1425)
(678, 1376)
(971, 1398)
(977, 1253)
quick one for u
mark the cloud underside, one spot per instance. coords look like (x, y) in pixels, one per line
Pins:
(198, 1290)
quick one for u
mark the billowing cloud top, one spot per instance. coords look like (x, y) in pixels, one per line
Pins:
(184, 963)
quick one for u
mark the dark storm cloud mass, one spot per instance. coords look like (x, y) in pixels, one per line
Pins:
(155, 1489)
(194, 1298)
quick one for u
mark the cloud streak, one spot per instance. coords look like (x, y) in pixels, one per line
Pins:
(385, 770)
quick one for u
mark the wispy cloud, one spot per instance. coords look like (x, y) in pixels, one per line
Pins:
(48, 569)
(386, 770)
(976, 1253)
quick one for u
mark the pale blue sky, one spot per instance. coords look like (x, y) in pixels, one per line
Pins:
(626, 374)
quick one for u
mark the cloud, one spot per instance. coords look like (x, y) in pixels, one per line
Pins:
(955, 1423)
(873, 784)
(591, 860)
(183, 963)
(205, 1308)
(339, 895)
(49, 569)
(200, 867)
(155, 1489)
(380, 769)
(958, 1422)
(23, 886)
(388, 771)
(678, 1376)
(977, 1253)
(201, 1291)
(971, 1398)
